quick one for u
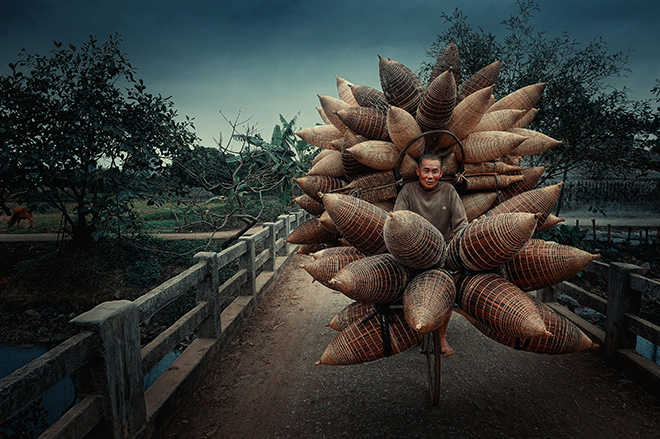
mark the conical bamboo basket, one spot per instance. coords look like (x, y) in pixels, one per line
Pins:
(527, 118)
(496, 302)
(489, 242)
(313, 184)
(352, 166)
(370, 97)
(353, 312)
(485, 77)
(490, 168)
(449, 164)
(428, 300)
(321, 154)
(368, 122)
(531, 177)
(540, 200)
(477, 203)
(522, 99)
(490, 182)
(320, 135)
(330, 107)
(402, 129)
(377, 186)
(344, 91)
(448, 59)
(311, 232)
(413, 240)
(382, 155)
(327, 267)
(401, 87)
(324, 117)
(330, 165)
(327, 223)
(438, 103)
(488, 145)
(333, 251)
(501, 120)
(306, 249)
(372, 279)
(310, 204)
(549, 223)
(536, 143)
(466, 116)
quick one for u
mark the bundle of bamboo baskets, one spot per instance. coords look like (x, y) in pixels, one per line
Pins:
(369, 142)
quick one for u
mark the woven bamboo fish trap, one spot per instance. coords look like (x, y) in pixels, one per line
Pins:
(352, 166)
(309, 204)
(402, 129)
(327, 267)
(488, 145)
(382, 155)
(341, 250)
(448, 59)
(540, 264)
(353, 312)
(320, 135)
(465, 117)
(311, 232)
(438, 103)
(363, 341)
(449, 164)
(368, 122)
(485, 77)
(324, 117)
(490, 182)
(377, 186)
(413, 240)
(527, 118)
(514, 160)
(490, 168)
(496, 302)
(522, 99)
(501, 120)
(540, 200)
(536, 143)
(327, 223)
(549, 223)
(531, 177)
(567, 338)
(370, 97)
(477, 203)
(330, 165)
(307, 249)
(489, 242)
(321, 154)
(401, 87)
(360, 222)
(313, 184)
(372, 279)
(330, 106)
(428, 300)
(344, 91)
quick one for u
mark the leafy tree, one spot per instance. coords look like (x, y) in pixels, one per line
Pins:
(80, 133)
(602, 130)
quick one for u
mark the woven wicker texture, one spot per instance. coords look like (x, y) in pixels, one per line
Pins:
(307, 249)
(531, 177)
(490, 168)
(382, 155)
(341, 250)
(353, 312)
(330, 106)
(522, 99)
(413, 240)
(566, 337)
(540, 264)
(325, 268)
(477, 203)
(540, 200)
(428, 300)
(373, 187)
(448, 59)
(549, 223)
(501, 120)
(466, 116)
(324, 117)
(402, 129)
(344, 91)
(488, 145)
(449, 163)
(489, 242)
(313, 184)
(363, 341)
(485, 77)
(368, 122)
(401, 87)
(352, 166)
(321, 154)
(309, 204)
(438, 103)
(311, 232)
(527, 118)
(515, 160)
(370, 97)
(320, 135)
(330, 165)
(373, 279)
(490, 182)
(536, 143)
(327, 223)
(360, 222)
(497, 303)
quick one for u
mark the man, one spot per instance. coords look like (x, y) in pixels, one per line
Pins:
(440, 204)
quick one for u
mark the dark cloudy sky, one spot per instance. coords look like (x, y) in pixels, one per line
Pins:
(273, 57)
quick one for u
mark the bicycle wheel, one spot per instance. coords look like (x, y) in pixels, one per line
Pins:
(431, 346)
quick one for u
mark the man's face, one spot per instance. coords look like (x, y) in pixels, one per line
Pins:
(429, 173)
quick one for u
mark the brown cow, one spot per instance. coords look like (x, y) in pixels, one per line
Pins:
(22, 213)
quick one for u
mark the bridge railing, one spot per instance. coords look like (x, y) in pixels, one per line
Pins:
(625, 287)
(108, 363)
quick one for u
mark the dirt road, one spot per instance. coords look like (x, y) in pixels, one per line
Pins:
(267, 386)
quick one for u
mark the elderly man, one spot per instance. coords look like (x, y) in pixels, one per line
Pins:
(440, 204)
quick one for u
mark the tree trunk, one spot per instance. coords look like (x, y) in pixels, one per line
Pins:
(81, 234)
(561, 192)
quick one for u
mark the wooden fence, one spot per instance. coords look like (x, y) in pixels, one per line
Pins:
(108, 363)
(625, 287)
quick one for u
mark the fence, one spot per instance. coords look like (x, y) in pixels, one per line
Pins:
(625, 287)
(108, 363)
(641, 195)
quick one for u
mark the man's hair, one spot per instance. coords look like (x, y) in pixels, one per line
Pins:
(428, 156)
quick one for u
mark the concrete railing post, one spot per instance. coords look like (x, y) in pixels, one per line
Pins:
(271, 243)
(283, 233)
(621, 299)
(248, 262)
(116, 370)
(208, 291)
